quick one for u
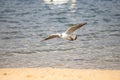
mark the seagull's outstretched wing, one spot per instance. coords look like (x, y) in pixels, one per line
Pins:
(73, 28)
(51, 36)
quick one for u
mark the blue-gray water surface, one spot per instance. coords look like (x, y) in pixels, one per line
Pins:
(24, 23)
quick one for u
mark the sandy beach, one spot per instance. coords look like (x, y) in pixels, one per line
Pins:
(57, 74)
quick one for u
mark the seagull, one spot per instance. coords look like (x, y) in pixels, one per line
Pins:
(67, 34)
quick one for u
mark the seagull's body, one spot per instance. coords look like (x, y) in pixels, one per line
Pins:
(70, 37)
(67, 34)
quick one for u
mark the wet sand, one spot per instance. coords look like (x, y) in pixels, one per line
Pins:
(57, 74)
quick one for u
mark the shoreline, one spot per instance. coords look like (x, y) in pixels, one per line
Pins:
(58, 74)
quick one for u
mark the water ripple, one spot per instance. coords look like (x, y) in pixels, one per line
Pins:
(24, 23)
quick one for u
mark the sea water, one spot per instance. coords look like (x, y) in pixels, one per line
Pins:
(24, 23)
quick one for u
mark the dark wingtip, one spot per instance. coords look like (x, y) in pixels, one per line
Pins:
(42, 40)
(84, 23)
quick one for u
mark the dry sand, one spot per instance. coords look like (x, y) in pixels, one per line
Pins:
(57, 74)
